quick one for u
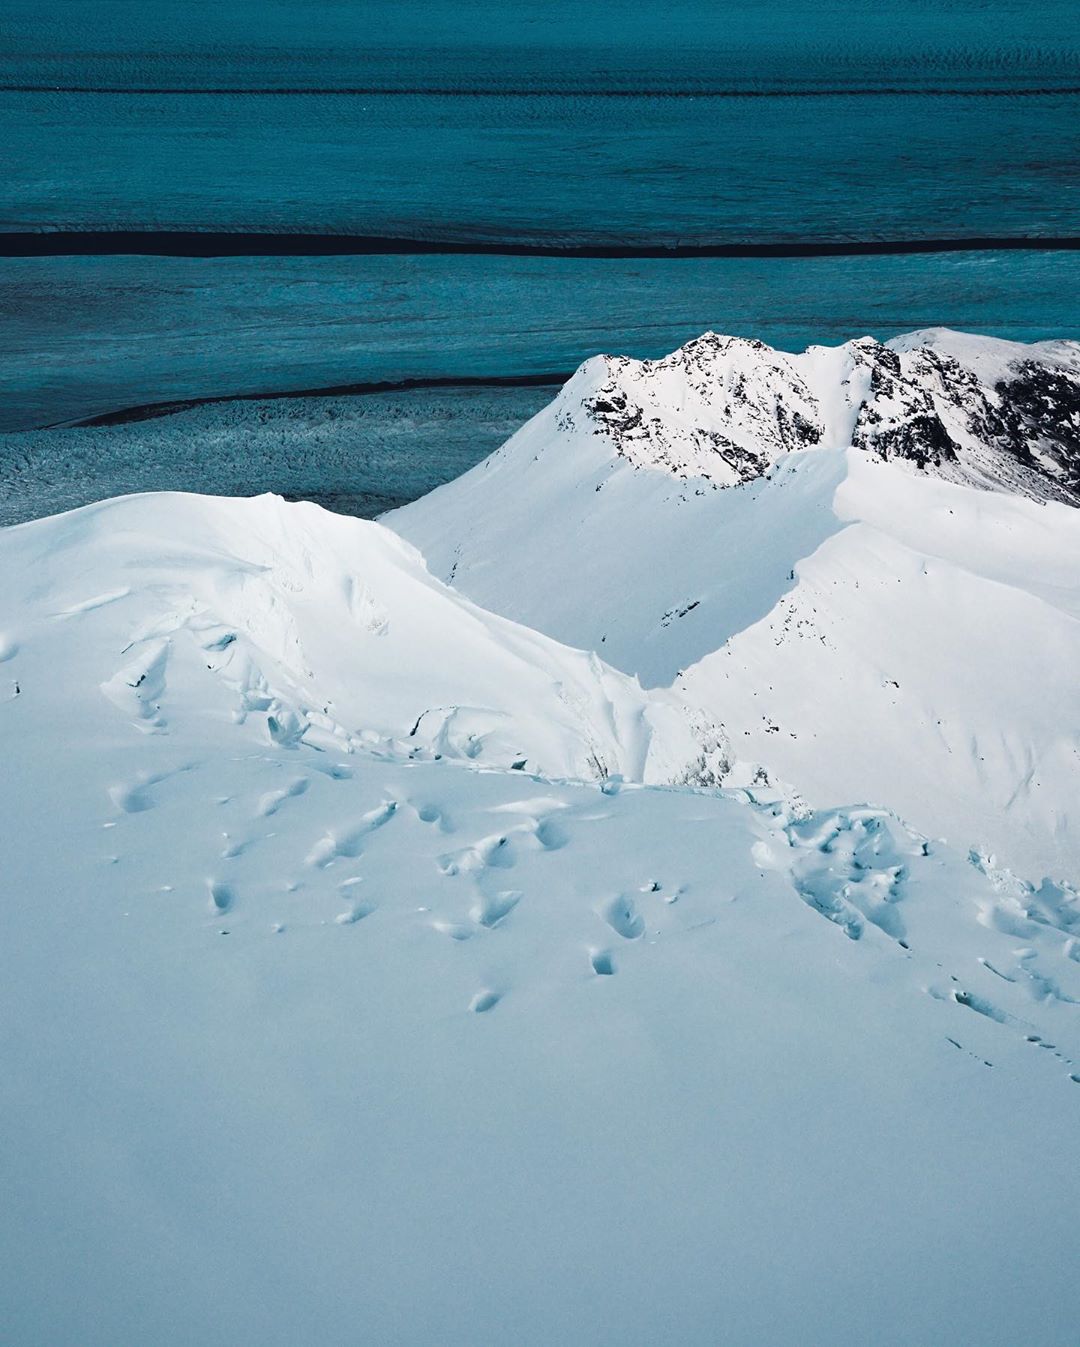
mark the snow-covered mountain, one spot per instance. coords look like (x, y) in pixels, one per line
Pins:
(303, 1044)
(377, 966)
(858, 614)
(726, 408)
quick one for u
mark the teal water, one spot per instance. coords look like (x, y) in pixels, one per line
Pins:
(539, 44)
(543, 121)
(567, 168)
(706, 120)
(85, 336)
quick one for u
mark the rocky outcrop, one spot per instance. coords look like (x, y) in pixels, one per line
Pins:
(724, 409)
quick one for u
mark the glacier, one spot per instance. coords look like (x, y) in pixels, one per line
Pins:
(628, 895)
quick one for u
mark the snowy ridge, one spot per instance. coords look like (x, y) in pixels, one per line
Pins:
(276, 989)
(331, 632)
(725, 408)
(381, 961)
(863, 627)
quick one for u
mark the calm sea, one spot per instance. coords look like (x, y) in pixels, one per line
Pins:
(545, 122)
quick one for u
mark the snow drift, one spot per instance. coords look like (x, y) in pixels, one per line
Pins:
(331, 632)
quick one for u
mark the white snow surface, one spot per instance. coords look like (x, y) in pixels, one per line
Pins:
(373, 968)
(722, 409)
(863, 629)
(334, 629)
(990, 358)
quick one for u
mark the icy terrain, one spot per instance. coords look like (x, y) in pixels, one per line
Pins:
(377, 968)
(357, 455)
(867, 622)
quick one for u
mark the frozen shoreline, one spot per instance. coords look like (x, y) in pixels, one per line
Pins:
(358, 455)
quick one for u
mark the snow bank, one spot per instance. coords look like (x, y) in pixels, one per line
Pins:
(328, 631)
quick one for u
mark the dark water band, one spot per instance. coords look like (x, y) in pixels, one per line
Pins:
(196, 243)
(151, 410)
(545, 91)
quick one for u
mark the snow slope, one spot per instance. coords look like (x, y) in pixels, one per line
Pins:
(858, 614)
(925, 657)
(334, 630)
(312, 1035)
(725, 408)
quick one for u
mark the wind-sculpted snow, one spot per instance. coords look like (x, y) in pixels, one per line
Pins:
(330, 632)
(385, 1045)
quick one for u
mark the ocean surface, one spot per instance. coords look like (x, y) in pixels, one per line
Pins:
(90, 335)
(564, 168)
(534, 124)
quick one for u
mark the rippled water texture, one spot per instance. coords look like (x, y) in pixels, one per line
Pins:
(638, 122)
(545, 123)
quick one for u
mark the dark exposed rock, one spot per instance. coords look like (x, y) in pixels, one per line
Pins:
(724, 409)
(1043, 413)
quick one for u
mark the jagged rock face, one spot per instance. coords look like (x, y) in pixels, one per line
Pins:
(725, 408)
(927, 407)
(722, 408)
(1042, 418)
(900, 418)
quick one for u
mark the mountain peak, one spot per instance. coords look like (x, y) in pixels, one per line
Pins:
(724, 408)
